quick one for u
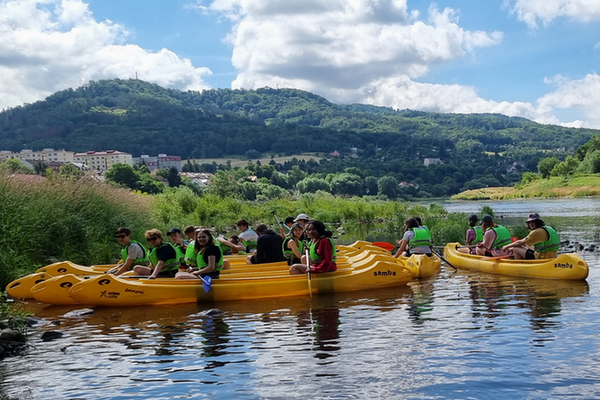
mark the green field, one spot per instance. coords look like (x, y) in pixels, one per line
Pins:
(243, 161)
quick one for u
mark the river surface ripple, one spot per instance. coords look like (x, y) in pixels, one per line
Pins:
(458, 335)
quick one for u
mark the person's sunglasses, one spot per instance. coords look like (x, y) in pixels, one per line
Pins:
(152, 239)
(121, 236)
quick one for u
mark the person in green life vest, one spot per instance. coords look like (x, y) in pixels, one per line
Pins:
(495, 237)
(190, 253)
(209, 258)
(543, 238)
(247, 236)
(190, 235)
(132, 253)
(164, 259)
(474, 235)
(416, 239)
(321, 251)
(293, 246)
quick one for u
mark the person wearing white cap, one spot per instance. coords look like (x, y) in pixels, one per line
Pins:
(543, 238)
(302, 219)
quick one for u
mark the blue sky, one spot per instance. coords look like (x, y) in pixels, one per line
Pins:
(536, 59)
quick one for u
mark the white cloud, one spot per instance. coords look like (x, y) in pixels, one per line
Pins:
(50, 45)
(530, 11)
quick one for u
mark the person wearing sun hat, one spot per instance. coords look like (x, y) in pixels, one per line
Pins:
(302, 219)
(543, 238)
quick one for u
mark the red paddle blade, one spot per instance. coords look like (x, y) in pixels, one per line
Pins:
(385, 245)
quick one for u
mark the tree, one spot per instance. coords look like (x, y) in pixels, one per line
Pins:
(173, 177)
(71, 171)
(591, 163)
(15, 166)
(545, 166)
(40, 167)
(123, 174)
(371, 186)
(347, 184)
(311, 185)
(567, 167)
(388, 186)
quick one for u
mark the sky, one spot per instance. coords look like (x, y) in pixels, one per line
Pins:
(536, 59)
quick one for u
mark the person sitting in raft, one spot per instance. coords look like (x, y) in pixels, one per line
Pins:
(190, 233)
(164, 259)
(247, 236)
(286, 226)
(209, 258)
(132, 253)
(176, 238)
(321, 250)
(416, 239)
(268, 247)
(495, 237)
(474, 235)
(542, 237)
(293, 246)
(190, 253)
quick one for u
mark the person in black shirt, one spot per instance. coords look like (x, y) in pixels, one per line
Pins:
(268, 247)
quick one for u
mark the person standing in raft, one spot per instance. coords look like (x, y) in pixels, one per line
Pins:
(416, 239)
(322, 251)
(542, 237)
(268, 247)
(495, 237)
(164, 259)
(209, 258)
(474, 235)
(132, 253)
(293, 246)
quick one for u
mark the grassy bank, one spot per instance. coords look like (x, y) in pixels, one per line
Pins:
(579, 186)
(44, 220)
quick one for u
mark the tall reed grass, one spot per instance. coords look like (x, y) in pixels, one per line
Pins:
(44, 220)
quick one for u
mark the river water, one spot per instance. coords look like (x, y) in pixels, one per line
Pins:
(457, 335)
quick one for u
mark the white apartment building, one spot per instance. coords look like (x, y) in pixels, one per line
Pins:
(45, 155)
(103, 160)
(162, 161)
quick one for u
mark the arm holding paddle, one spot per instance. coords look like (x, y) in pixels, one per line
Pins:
(403, 245)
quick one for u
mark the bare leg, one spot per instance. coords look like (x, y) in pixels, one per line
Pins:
(520, 253)
(226, 264)
(185, 275)
(480, 251)
(465, 250)
(141, 270)
(298, 269)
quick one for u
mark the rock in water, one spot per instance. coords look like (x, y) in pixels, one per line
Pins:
(51, 335)
(9, 335)
(78, 313)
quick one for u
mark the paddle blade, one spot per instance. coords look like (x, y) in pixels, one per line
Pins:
(206, 283)
(385, 245)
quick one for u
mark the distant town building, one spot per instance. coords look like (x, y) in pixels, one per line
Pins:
(45, 155)
(162, 161)
(103, 160)
(201, 179)
(431, 161)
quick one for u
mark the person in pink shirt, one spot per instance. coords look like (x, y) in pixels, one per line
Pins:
(494, 238)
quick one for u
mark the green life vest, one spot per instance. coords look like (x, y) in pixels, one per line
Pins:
(422, 237)
(314, 257)
(551, 244)
(190, 255)
(180, 254)
(287, 252)
(203, 264)
(502, 237)
(478, 234)
(173, 263)
(224, 248)
(250, 245)
(138, 261)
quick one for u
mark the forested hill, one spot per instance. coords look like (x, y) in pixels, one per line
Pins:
(139, 117)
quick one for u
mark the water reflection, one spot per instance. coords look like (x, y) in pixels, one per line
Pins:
(327, 332)
(420, 304)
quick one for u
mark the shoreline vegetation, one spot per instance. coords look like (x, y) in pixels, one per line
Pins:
(552, 187)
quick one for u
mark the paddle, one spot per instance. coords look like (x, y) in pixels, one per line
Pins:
(307, 254)
(443, 259)
(385, 245)
(206, 282)
(277, 219)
